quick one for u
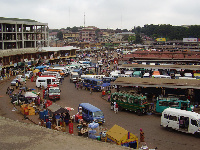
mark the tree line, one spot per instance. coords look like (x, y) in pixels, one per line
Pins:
(168, 31)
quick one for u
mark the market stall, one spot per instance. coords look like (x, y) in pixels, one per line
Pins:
(121, 137)
(58, 114)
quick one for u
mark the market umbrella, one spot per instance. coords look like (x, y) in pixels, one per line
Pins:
(36, 71)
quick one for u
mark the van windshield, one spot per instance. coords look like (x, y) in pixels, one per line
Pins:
(54, 91)
(98, 113)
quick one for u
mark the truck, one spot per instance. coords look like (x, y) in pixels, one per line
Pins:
(54, 93)
(132, 102)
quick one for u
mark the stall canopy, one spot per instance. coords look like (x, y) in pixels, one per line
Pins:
(56, 109)
(31, 95)
(122, 137)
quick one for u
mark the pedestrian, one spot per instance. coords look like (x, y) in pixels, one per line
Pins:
(77, 85)
(80, 85)
(112, 105)
(115, 107)
(17, 84)
(91, 90)
(43, 93)
(57, 117)
(108, 97)
(103, 92)
(8, 90)
(61, 81)
(141, 135)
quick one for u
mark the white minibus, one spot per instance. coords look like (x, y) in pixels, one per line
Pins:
(44, 81)
(93, 76)
(52, 73)
(161, 76)
(146, 75)
(74, 76)
(181, 120)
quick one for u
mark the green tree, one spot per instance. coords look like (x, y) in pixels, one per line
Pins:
(125, 37)
(60, 35)
(124, 30)
(97, 33)
(74, 29)
(131, 39)
(138, 39)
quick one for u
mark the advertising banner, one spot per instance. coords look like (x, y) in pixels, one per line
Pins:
(189, 39)
(161, 39)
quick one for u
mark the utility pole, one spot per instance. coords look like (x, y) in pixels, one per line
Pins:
(84, 19)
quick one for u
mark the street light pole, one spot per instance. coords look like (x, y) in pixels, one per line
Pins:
(24, 76)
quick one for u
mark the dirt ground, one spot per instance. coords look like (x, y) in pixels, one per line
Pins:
(155, 135)
(19, 133)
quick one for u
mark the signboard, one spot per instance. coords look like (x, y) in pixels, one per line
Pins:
(161, 39)
(189, 39)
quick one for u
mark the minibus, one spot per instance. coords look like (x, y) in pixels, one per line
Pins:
(90, 113)
(52, 73)
(93, 76)
(161, 76)
(44, 81)
(181, 120)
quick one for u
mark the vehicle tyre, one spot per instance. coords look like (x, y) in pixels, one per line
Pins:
(197, 135)
(120, 108)
(169, 128)
(139, 113)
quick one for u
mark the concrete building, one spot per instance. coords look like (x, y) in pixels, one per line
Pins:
(18, 33)
(88, 34)
(71, 37)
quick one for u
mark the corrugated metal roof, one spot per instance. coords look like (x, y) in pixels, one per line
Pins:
(157, 82)
(11, 52)
(58, 48)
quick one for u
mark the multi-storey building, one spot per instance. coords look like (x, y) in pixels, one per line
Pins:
(71, 37)
(88, 34)
(22, 33)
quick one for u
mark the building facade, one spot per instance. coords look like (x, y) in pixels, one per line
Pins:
(88, 34)
(22, 33)
(71, 37)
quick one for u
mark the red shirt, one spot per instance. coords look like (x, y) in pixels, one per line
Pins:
(116, 105)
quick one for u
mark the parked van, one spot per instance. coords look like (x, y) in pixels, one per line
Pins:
(197, 76)
(74, 76)
(173, 102)
(60, 71)
(52, 73)
(161, 76)
(146, 75)
(177, 76)
(181, 120)
(137, 74)
(129, 73)
(91, 113)
(44, 81)
(93, 76)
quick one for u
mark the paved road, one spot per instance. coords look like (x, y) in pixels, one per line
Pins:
(155, 135)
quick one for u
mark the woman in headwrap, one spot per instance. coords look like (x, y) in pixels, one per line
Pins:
(141, 135)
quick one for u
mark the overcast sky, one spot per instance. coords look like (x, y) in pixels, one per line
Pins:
(123, 14)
